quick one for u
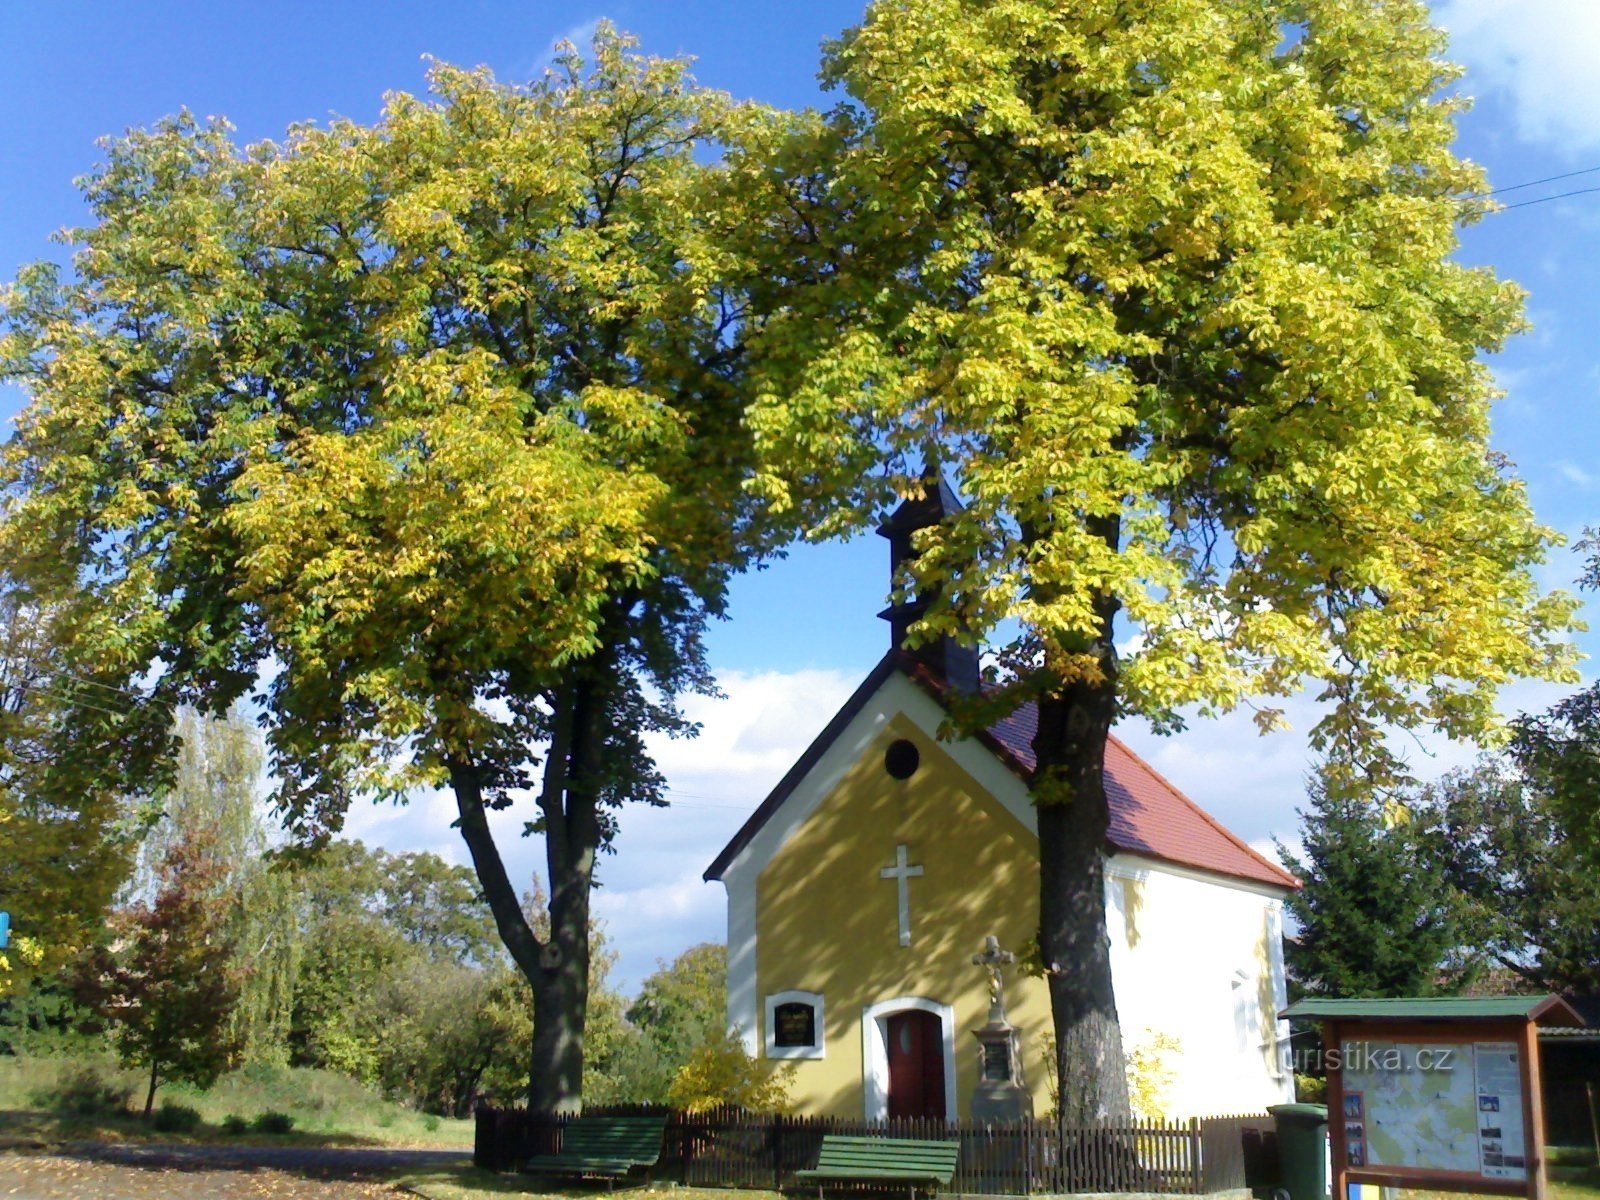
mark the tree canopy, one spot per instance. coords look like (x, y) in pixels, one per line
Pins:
(427, 434)
(1169, 288)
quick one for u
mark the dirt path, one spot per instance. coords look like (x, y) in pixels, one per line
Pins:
(89, 1171)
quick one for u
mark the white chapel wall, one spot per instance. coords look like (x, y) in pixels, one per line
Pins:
(1200, 961)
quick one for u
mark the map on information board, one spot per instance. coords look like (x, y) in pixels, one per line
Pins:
(1435, 1106)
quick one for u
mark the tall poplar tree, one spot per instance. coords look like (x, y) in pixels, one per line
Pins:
(1168, 287)
(428, 434)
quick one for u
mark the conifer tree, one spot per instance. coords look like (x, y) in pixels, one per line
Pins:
(1374, 917)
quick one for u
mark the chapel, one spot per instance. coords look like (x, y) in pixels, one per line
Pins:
(863, 887)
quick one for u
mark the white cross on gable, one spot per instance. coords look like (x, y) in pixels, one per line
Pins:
(902, 875)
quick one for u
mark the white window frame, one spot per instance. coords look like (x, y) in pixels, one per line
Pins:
(814, 1000)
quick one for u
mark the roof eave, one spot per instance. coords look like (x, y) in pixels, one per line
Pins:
(802, 766)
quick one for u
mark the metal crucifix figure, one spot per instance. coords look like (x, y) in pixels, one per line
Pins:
(995, 960)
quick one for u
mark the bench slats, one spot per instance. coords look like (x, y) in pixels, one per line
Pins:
(610, 1146)
(868, 1158)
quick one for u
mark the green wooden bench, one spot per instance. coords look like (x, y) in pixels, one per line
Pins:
(603, 1147)
(882, 1160)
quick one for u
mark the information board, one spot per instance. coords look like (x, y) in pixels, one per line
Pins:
(1445, 1106)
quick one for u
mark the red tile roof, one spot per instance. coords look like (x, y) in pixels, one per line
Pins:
(1148, 815)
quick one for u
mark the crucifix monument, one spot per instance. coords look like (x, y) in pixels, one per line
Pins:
(1001, 1094)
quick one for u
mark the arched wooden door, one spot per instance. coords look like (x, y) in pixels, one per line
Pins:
(916, 1064)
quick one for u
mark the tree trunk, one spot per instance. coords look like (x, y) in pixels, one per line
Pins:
(150, 1096)
(557, 968)
(560, 1011)
(1069, 794)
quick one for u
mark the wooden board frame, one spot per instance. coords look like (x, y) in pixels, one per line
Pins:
(1522, 1032)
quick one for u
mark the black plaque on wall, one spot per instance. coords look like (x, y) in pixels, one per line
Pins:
(794, 1024)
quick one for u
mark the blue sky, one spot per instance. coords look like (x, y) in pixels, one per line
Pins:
(802, 633)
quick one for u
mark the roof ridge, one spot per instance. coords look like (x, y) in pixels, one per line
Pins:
(1291, 879)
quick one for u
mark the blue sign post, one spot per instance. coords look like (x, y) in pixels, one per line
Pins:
(5, 929)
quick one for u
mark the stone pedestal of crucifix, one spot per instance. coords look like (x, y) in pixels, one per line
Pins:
(1001, 1094)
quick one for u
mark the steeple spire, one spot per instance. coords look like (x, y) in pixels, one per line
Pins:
(947, 658)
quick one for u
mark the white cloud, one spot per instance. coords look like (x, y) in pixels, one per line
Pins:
(1539, 54)
(1253, 783)
(1576, 475)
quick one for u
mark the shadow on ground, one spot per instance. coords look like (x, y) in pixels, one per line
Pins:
(318, 1162)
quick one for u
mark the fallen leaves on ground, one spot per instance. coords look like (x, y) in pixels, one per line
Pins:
(53, 1177)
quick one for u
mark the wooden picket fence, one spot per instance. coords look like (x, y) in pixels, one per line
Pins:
(730, 1148)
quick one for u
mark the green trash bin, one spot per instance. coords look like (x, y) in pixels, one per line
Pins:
(1303, 1149)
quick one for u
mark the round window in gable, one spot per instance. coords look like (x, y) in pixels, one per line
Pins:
(901, 759)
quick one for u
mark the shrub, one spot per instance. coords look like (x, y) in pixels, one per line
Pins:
(176, 1118)
(720, 1072)
(1308, 1089)
(430, 1123)
(273, 1122)
(84, 1093)
(234, 1124)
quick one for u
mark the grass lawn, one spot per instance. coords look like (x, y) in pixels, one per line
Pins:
(43, 1100)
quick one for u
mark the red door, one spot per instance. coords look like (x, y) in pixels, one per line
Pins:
(916, 1064)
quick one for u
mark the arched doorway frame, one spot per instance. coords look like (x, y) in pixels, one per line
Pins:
(875, 1051)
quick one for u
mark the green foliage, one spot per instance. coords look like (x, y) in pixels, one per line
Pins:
(1558, 753)
(445, 1027)
(1188, 325)
(721, 1073)
(66, 847)
(273, 1122)
(1310, 1089)
(234, 1125)
(1373, 917)
(42, 1017)
(682, 1006)
(1503, 844)
(1171, 289)
(175, 1118)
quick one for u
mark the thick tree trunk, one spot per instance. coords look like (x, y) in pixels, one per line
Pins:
(560, 1011)
(1069, 793)
(556, 968)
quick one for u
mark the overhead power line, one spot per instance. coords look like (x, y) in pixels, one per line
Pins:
(1517, 187)
(1546, 199)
